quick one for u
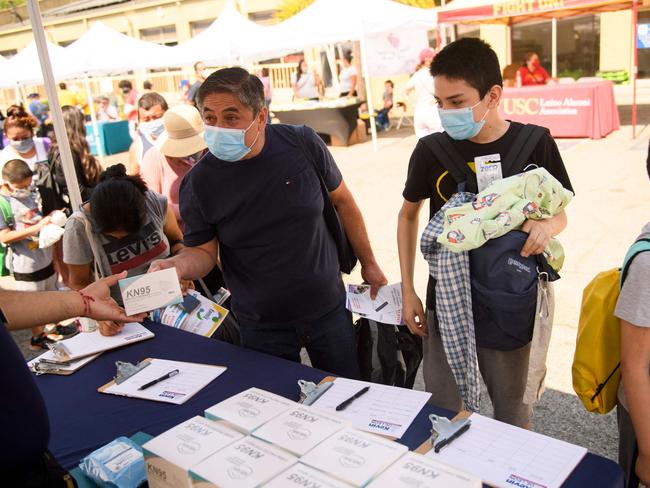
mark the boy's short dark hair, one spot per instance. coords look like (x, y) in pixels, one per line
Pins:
(16, 171)
(471, 60)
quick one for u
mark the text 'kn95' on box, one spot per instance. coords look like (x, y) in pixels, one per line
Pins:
(170, 456)
(246, 463)
(302, 476)
(300, 429)
(353, 456)
(249, 409)
(416, 471)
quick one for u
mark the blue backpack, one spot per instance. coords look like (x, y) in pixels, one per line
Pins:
(504, 284)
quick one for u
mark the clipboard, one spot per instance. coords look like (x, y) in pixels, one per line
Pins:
(427, 445)
(331, 379)
(41, 365)
(175, 397)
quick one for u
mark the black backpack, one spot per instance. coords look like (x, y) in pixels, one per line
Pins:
(504, 284)
(52, 197)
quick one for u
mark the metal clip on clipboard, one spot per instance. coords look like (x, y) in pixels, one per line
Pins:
(126, 370)
(310, 392)
(444, 431)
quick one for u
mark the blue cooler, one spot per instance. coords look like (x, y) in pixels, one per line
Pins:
(114, 137)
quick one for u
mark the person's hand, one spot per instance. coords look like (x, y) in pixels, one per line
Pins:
(413, 314)
(160, 264)
(44, 221)
(102, 306)
(186, 285)
(374, 276)
(109, 328)
(642, 469)
(539, 235)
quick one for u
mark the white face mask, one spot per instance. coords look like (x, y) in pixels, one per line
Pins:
(23, 192)
(153, 128)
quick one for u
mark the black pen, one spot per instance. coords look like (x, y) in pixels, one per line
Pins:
(455, 435)
(158, 380)
(347, 402)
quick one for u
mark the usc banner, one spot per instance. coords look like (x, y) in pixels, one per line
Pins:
(574, 110)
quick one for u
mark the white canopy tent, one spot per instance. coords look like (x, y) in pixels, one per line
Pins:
(102, 50)
(24, 67)
(229, 38)
(332, 21)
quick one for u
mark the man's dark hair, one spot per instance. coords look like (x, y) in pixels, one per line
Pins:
(147, 85)
(125, 84)
(151, 99)
(63, 86)
(16, 171)
(471, 60)
(246, 87)
(118, 202)
(348, 57)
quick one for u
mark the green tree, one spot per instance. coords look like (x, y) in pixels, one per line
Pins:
(12, 6)
(289, 8)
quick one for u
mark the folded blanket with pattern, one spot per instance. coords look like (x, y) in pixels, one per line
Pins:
(503, 206)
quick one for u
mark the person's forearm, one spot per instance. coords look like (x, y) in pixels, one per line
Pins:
(556, 223)
(407, 230)
(53, 306)
(635, 363)
(355, 229)
(192, 263)
(18, 235)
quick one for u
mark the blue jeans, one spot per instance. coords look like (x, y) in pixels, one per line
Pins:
(330, 341)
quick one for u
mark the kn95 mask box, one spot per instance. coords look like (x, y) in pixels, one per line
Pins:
(150, 291)
(249, 409)
(169, 457)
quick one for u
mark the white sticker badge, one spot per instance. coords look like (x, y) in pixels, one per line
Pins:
(488, 170)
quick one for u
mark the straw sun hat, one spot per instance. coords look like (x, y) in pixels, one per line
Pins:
(183, 134)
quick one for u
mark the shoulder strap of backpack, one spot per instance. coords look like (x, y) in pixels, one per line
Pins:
(523, 147)
(642, 245)
(7, 214)
(442, 148)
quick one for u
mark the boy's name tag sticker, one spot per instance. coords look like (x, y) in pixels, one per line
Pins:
(488, 170)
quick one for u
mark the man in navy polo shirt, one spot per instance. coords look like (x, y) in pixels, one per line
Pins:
(255, 202)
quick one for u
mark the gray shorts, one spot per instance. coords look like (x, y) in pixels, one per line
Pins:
(505, 374)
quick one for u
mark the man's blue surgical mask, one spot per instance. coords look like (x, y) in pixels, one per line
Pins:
(459, 123)
(152, 129)
(228, 144)
(23, 146)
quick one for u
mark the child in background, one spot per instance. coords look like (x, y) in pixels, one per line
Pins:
(383, 122)
(32, 267)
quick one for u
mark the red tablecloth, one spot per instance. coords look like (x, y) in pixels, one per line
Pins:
(573, 110)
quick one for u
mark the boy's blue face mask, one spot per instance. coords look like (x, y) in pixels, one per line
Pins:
(228, 144)
(459, 123)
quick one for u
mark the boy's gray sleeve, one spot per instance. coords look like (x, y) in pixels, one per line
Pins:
(76, 248)
(634, 302)
(3, 223)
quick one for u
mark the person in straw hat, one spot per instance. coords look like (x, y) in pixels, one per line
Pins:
(174, 154)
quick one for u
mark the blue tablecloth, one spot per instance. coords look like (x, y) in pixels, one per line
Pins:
(82, 419)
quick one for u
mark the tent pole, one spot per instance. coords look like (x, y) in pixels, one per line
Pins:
(366, 75)
(93, 119)
(55, 107)
(18, 100)
(554, 47)
(635, 68)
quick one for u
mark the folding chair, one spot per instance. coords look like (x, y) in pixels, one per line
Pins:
(404, 120)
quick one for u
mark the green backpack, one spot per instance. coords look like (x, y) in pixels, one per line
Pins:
(8, 216)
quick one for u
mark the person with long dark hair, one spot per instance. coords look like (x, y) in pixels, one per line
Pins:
(86, 166)
(532, 72)
(125, 226)
(305, 83)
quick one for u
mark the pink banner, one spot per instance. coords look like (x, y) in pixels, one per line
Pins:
(572, 110)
